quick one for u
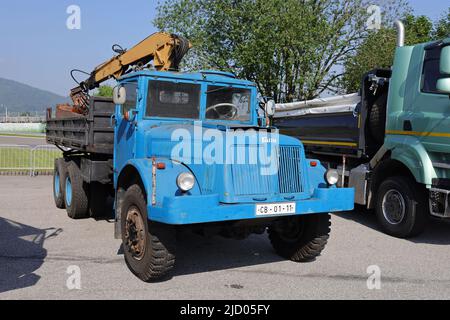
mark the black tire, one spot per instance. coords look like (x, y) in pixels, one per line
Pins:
(156, 257)
(59, 178)
(402, 207)
(77, 203)
(377, 119)
(100, 200)
(300, 238)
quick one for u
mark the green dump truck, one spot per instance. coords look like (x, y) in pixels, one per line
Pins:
(391, 141)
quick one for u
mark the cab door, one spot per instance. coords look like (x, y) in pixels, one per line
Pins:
(430, 110)
(125, 128)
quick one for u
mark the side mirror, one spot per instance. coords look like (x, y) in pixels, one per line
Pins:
(445, 61)
(119, 95)
(270, 108)
(443, 85)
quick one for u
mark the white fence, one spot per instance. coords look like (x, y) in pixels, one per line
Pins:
(32, 160)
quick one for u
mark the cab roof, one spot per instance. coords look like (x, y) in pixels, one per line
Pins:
(203, 76)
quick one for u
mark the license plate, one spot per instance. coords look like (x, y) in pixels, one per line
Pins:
(269, 209)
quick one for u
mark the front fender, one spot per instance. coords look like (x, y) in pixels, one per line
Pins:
(166, 185)
(411, 152)
(316, 175)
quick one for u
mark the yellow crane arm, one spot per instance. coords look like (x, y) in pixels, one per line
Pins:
(166, 51)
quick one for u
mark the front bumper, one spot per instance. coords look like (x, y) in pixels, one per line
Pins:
(207, 208)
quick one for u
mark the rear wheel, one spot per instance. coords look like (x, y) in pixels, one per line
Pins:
(59, 177)
(401, 207)
(300, 238)
(149, 247)
(76, 193)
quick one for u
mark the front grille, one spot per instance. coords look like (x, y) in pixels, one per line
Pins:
(289, 171)
(249, 180)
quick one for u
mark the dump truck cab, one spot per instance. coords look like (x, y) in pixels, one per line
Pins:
(206, 127)
(391, 141)
(191, 151)
(177, 150)
(418, 122)
(194, 150)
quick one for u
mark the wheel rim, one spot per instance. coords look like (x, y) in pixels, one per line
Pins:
(135, 233)
(394, 207)
(68, 192)
(57, 188)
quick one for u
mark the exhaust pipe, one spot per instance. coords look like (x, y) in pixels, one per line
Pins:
(400, 33)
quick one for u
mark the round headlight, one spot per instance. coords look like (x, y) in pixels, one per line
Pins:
(332, 176)
(185, 181)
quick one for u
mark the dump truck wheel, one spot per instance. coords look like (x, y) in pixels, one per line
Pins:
(377, 119)
(100, 200)
(300, 238)
(402, 207)
(59, 178)
(149, 247)
(76, 193)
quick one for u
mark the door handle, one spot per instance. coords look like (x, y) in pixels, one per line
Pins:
(112, 120)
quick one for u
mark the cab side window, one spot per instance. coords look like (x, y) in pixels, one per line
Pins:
(431, 73)
(130, 103)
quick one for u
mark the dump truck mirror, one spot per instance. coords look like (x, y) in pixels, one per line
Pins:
(270, 108)
(443, 85)
(445, 61)
(119, 95)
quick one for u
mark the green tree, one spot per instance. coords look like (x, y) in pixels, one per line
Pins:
(105, 91)
(290, 48)
(377, 50)
(442, 27)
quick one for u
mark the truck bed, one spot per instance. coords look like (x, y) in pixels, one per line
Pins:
(342, 125)
(90, 134)
(329, 125)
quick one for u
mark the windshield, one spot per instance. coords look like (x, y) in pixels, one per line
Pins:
(173, 100)
(228, 103)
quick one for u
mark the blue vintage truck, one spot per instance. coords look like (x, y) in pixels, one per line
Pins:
(192, 150)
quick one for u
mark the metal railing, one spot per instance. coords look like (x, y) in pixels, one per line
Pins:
(32, 160)
(20, 117)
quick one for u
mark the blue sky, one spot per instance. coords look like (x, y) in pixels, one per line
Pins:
(36, 48)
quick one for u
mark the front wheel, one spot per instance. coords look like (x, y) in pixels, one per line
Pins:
(300, 238)
(401, 207)
(149, 247)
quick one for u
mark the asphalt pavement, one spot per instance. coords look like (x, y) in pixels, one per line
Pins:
(41, 250)
(23, 140)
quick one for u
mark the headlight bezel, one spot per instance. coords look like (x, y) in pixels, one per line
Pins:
(183, 182)
(332, 177)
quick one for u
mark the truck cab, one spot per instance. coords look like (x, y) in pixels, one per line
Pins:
(390, 141)
(193, 149)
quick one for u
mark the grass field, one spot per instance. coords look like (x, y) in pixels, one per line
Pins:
(26, 158)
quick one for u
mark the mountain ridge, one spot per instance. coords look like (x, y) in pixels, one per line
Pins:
(20, 97)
